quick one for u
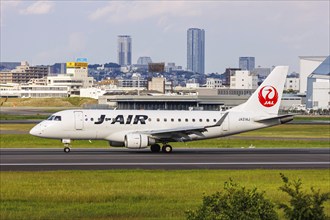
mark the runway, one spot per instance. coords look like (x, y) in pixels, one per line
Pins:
(107, 159)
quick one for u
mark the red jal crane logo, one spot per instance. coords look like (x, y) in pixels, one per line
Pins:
(268, 96)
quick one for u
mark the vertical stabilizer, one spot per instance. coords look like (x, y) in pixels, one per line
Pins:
(266, 99)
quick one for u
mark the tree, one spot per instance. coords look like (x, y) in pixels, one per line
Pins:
(234, 202)
(302, 205)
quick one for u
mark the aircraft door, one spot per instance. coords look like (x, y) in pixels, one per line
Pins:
(225, 124)
(78, 120)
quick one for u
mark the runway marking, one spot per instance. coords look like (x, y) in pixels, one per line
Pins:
(162, 164)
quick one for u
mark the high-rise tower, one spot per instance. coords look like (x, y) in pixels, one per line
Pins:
(247, 63)
(124, 50)
(196, 50)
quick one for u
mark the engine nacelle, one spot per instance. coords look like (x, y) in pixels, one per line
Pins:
(116, 144)
(138, 141)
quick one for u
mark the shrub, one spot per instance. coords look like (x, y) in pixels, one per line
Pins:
(302, 205)
(234, 202)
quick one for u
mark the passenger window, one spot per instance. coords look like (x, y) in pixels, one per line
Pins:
(158, 119)
(201, 120)
(149, 119)
(207, 120)
(179, 119)
(165, 119)
(215, 120)
(193, 120)
(92, 119)
(172, 119)
(186, 119)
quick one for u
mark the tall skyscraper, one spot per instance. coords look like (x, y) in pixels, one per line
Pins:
(124, 50)
(247, 63)
(196, 50)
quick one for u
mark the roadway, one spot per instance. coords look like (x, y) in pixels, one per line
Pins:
(115, 158)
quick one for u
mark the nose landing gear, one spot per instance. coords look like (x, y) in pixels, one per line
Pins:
(67, 149)
(67, 145)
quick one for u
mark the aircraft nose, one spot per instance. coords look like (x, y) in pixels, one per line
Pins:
(36, 131)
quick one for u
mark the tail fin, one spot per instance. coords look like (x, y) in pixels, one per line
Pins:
(267, 98)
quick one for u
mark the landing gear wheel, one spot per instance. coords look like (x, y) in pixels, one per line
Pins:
(167, 148)
(155, 148)
(67, 149)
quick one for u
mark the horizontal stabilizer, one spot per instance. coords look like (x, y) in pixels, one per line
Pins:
(283, 118)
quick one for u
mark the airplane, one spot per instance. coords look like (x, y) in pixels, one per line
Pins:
(139, 129)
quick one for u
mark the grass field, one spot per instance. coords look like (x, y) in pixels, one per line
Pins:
(46, 102)
(133, 194)
(274, 137)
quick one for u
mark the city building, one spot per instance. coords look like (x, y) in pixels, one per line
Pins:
(157, 84)
(14, 90)
(192, 85)
(247, 63)
(227, 74)
(318, 87)
(172, 67)
(196, 50)
(213, 83)
(23, 73)
(124, 50)
(76, 77)
(292, 102)
(43, 91)
(307, 65)
(9, 90)
(94, 93)
(132, 83)
(57, 68)
(243, 79)
(262, 72)
(292, 83)
(144, 61)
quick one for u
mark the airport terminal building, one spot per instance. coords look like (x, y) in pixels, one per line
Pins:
(202, 99)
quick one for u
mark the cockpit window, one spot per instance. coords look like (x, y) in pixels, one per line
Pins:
(51, 118)
(54, 118)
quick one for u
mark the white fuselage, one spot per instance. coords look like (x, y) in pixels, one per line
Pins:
(113, 125)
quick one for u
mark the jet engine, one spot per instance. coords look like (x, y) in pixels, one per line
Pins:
(138, 141)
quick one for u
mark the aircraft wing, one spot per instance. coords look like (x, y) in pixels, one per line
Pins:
(181, 134)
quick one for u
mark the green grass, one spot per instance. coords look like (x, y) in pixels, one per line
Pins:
(16, 127)
(292, 131)
(311, 118)
(23, 117)
(46, 102)
(132, 194)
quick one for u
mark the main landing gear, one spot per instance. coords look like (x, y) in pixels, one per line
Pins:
(67, 145)
(155, 148)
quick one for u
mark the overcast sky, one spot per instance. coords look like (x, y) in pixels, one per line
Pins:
(274, 32)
